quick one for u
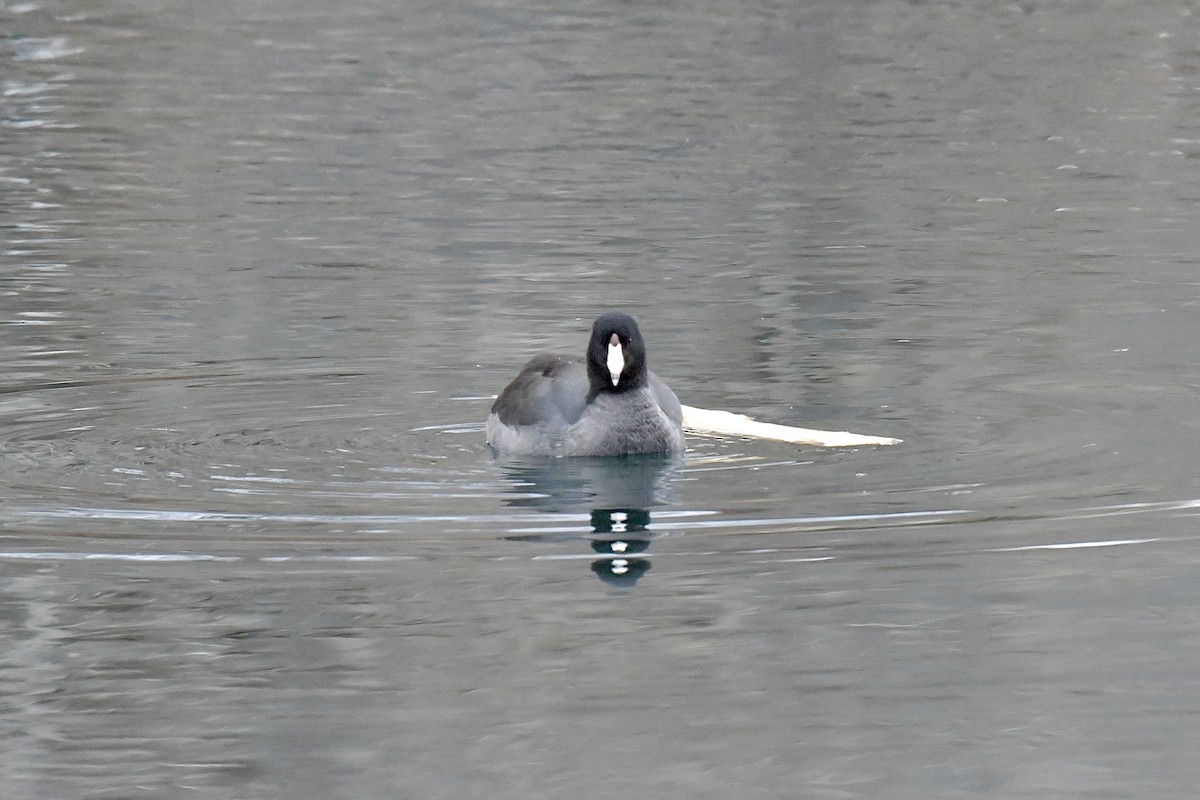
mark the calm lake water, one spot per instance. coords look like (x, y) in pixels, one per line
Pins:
(264, 264)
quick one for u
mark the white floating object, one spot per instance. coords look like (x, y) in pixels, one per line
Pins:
(711, 421)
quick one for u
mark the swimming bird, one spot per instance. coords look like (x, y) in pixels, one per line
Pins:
(607, 403)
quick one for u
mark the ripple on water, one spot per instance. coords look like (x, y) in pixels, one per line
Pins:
(257, 462)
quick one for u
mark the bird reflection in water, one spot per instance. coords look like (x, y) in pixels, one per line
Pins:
(620, 534)
(618, 494)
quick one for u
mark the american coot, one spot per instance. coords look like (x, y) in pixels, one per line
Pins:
(606, 404)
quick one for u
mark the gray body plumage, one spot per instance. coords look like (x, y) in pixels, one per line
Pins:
(560, 405)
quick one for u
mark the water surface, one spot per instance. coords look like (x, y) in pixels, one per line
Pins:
(264, 266)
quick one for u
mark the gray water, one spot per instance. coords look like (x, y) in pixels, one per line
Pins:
(265, 263)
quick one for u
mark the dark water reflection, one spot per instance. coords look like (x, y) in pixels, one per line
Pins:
(561, 484)
(263, 265)
(617, 493)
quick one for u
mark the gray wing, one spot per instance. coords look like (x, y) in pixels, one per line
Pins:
(666, 398)
(550, 387)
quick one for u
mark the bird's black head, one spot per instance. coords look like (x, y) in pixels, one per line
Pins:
(616, 356)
